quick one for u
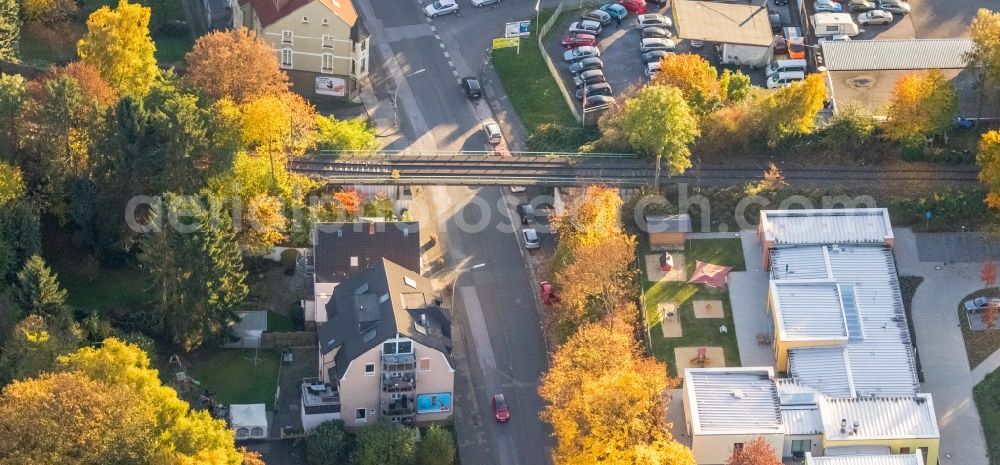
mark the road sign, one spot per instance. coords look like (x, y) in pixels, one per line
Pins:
(505, 42)
(518, 29)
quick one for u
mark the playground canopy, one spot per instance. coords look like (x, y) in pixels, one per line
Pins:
(710, 274)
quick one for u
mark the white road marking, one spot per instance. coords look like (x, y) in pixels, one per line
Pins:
(446, 55)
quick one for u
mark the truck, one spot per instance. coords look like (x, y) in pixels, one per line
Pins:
(744, 55)
(833, 24)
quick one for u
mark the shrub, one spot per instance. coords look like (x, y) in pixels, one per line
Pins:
(551, 137)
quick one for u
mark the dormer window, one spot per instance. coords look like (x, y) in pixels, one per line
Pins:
(409, 282)
(305, 19)
(326, 22)
(287, 36)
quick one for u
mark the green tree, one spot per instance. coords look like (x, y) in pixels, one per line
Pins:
(11, 183)
(34, 346)
(194, 268)
(118, 44)
(386, 444)
(180, 130)
(20, 227)
(658, 122)
(436, 447)
(353, 135)
(850, 129)
(378, 207)
(791, 110)
(327, 445)
(37, 291)
(921, 104)
(13, 93)
(735, 85)
(10, 29)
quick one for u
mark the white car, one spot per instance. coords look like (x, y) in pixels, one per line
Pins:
(492, 131)
(875, 17)
(898, 7)
(518, 189)
(585, 27)
(441, 7)
(827, 6)
(479, 3)
(531, 241)
(653, 43)
(652, 20)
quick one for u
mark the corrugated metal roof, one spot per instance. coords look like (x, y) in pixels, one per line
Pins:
(798, 418)
(826, 226)
(808, 310)
(823, 368)
(867, 459)
(733, 400)
(878, 418)
(896, 54)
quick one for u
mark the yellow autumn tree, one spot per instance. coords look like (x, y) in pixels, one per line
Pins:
(264, 224)
(118, 45)
(988, 158)
(696, 78)
(921, 104)
(283, 124)
(596, 282)
(608, 413)
(790, 110)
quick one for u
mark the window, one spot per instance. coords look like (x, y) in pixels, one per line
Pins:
(363, 64)
(833, 29)
(326, 22)
(425, 364)
(737, 446)
(327, 62)
(923, 451)
(801, 446)
(409, 282)
(369, 369)
(904, 450)
(404, 347)
(354, 261)
(361, 415)
(327, 41)
(305, 19)
(397, 347)
(395, 395)
(286, 58)
(286, 36)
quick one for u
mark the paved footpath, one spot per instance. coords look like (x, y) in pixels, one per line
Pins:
(947, 375)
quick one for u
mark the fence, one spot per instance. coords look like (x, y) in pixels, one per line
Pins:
(570, 102)
(29, 72)
(270, 340)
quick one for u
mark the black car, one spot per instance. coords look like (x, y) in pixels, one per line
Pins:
(655, 55)
(586, 64)
(526, 212)
(598, 101)
(472, 88)
(601, 88)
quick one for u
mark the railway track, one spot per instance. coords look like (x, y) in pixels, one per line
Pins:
(477, 170)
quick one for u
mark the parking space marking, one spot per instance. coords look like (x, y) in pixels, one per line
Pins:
(441, 44)
(451, 64)
(437, 36)
(446, 55)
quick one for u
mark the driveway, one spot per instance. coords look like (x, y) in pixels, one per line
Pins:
(947, 375)
(748, 295)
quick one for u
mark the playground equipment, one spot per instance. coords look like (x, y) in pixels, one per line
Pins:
(701, 358)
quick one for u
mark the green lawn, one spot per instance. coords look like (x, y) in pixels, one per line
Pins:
(530, 86)
(987, 395)
(88, 285)
(278, 323)
(232, 375)
(697, 332)
(978, 344)
(172, 49)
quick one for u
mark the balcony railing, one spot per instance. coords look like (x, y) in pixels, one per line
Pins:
(398, 411)
(319, 397)
(398, 384)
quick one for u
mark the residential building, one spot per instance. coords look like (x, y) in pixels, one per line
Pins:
(341, 250)
(865, 459)
(385, 352)
(321, 44)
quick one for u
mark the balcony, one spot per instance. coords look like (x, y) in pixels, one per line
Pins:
(399, 362)
(319, 397)
(399, 408)
(404, 383)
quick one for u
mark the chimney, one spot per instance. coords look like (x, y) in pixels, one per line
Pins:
(423, 320)
(371, 228)
(857, 424)
(843, 426)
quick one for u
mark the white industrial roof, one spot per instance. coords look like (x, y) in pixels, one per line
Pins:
(823, 368)
(733, 400)
(808, 311)
(732, 23)
(866, 459)
(799, 408)
(896, 54)
(878, 418)
(826, 226)
(248, 415)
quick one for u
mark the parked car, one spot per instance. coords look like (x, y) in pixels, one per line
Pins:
(492, 131)
(615, 10)
(635, 6)
(580, 53)
(472, 88)
(780, 2)
(655, 56)
(600, 16)
(652, 68)
(479, 3)
(648, 45)
(518, 189)
(586, 27)
(601, 88)
(827, 6)
(964, 123)
(658, 2)
(796, 48)
(526, 212)
(598, 101)
(586, 64)
(579, 39)
(875, 17)
(531, 241)
(500, 410)
(981, 303)
(656, 32)
(898, 7)
(589, 77)
(836, 38)
(857, 6)
(780, 44)
(441, 7)
(652, 20)
(784, 78)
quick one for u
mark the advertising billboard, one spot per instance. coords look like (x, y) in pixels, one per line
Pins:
(329, 85)
(434, 403)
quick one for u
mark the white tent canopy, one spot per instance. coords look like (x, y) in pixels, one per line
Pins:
(249, 421)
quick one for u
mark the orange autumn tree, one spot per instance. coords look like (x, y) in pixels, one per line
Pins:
(605, 413)
(988, 273)
(756, 452)
(236, 64)
(350, 202)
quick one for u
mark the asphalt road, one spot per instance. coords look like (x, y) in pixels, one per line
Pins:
(424, 60)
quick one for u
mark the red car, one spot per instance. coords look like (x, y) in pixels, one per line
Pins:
(780, 45)
(634, 6)
(579, 39)
(500, 410)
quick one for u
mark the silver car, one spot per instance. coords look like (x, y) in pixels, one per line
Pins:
(586, 27)
(600, 16)
(654, 43)
(875, 17)
(586, 64)
(981, 303)
(579, 53)
(652, 20)
(531, 241)
(898, 7)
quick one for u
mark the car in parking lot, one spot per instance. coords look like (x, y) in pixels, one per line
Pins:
(615, 10)
(600, 16)
(601, 88)
(579, 39)
(652, 20)
(827, 6)
(857, 6)
(650, 44)
(492, 131)
(589, 77)
(783, 79)
(479, 3)
(580, 53)
(531, 241)
(875, 17)
(586, 27)
(656, 32)
(652, 68)
(980, 303)
(780, 45)
(586, 64)
(526, 212)
(655, 56)
(472, 88)
(441, 7)
(898, 7)
(635, 6)
(598, 101)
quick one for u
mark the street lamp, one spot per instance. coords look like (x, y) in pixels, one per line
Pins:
(454, 284)
(395, 93)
